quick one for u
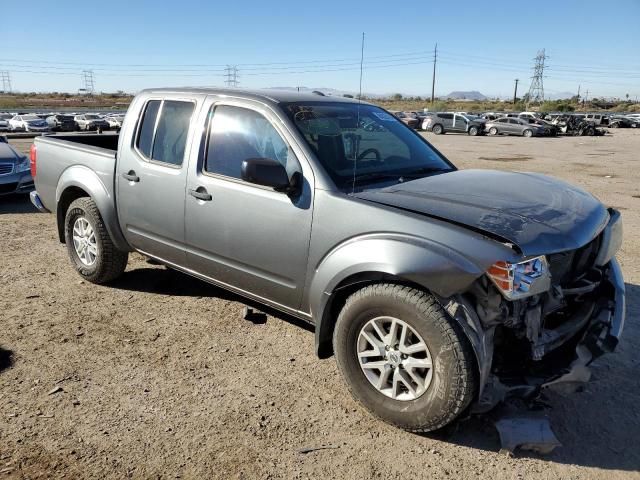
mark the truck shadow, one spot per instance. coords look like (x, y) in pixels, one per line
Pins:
(6, 359)
(16, 203)
(165, 281)
(598, 427)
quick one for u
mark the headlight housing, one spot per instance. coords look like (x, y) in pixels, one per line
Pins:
(23, 166)
(521, 279)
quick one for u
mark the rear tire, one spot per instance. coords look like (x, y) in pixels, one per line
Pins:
(445, 393)
(94, 256)
(437, 129)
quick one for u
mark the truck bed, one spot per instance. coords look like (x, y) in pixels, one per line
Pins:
(60, 155)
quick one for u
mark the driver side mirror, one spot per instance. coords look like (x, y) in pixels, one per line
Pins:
(270, 173)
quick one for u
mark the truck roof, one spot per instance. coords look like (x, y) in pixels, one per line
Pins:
(269, 95)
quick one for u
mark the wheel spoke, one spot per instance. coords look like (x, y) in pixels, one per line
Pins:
(375, 343)
(415, 348)
(384, 378)
(393, 333)
(411, 363)
(377, 365)
(379, 330)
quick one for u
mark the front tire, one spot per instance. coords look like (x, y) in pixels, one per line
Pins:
(90, 248)
(493, 131)
(437, 129)
(404, 358)
(527, 133)
(473, 131)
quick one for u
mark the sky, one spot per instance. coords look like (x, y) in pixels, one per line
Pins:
(135, 44)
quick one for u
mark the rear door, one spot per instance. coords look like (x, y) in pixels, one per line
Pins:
(151, 177)
(239, 234)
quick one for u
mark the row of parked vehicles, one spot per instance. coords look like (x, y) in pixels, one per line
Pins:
(59, 122)
(527, 124)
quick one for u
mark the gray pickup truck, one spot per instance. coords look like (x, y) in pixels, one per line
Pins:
(440, 291)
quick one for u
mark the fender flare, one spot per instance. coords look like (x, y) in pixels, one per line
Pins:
(84, 178)
(402, 258)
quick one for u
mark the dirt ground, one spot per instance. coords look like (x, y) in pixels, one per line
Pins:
(159, 376)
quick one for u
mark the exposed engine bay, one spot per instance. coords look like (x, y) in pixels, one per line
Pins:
(547, 327)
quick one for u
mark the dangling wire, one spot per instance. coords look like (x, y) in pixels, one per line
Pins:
(354, 149)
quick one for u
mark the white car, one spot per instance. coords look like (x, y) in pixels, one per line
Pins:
(115, 121)
(28, 123)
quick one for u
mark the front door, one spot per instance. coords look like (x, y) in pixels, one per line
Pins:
(239, 234)
(151, 178)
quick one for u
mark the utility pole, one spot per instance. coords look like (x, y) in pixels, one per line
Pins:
(586, 98)
(231, 76)
(433, 81)
(536, 90)
(515, 91)
(579, 93)
(5, 76)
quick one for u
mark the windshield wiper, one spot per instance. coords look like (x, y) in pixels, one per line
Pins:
(398, 176)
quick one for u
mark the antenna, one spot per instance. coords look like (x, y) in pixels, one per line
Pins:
(355, 147)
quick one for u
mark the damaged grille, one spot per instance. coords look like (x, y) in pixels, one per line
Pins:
(569, 267)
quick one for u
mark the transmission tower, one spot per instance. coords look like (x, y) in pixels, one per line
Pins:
(5, 76)
(231, 76)
(88, 81)
(536, 90)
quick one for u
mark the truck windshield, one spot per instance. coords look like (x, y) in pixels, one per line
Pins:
(363, 144)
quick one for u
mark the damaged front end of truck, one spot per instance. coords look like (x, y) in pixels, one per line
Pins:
(540, 322)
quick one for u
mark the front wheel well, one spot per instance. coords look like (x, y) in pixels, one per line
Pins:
(69, 195)
(339, 295)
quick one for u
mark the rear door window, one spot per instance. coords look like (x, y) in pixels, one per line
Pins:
(163, 131)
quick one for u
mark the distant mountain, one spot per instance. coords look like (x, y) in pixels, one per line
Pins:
(560, 96)
(471, 95)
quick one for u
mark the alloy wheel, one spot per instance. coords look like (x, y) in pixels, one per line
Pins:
(84, 241)
(394, 358)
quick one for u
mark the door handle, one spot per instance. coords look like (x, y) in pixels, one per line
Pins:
(131, 176)
(201, 194)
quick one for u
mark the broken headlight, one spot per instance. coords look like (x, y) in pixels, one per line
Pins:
(517, 280)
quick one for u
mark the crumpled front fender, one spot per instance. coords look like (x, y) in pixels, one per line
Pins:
(436, 267)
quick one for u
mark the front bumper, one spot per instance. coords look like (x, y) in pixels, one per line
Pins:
(16, 183)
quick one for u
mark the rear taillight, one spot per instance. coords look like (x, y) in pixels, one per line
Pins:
(33, 155)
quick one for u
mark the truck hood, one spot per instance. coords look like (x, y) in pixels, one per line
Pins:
(537, 214)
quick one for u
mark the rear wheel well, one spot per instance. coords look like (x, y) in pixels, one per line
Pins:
(69, 195)
(339, 296)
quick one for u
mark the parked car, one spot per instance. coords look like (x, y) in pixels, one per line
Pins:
(90, 121)
(597, 118)
(28, 123)
(550, 129)
(61, 123)
(408, 119)
(15, 174)
(434, 287)
(114, 121)
(513, 126)
(443, 122)
(620, 121)
(4, 121)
